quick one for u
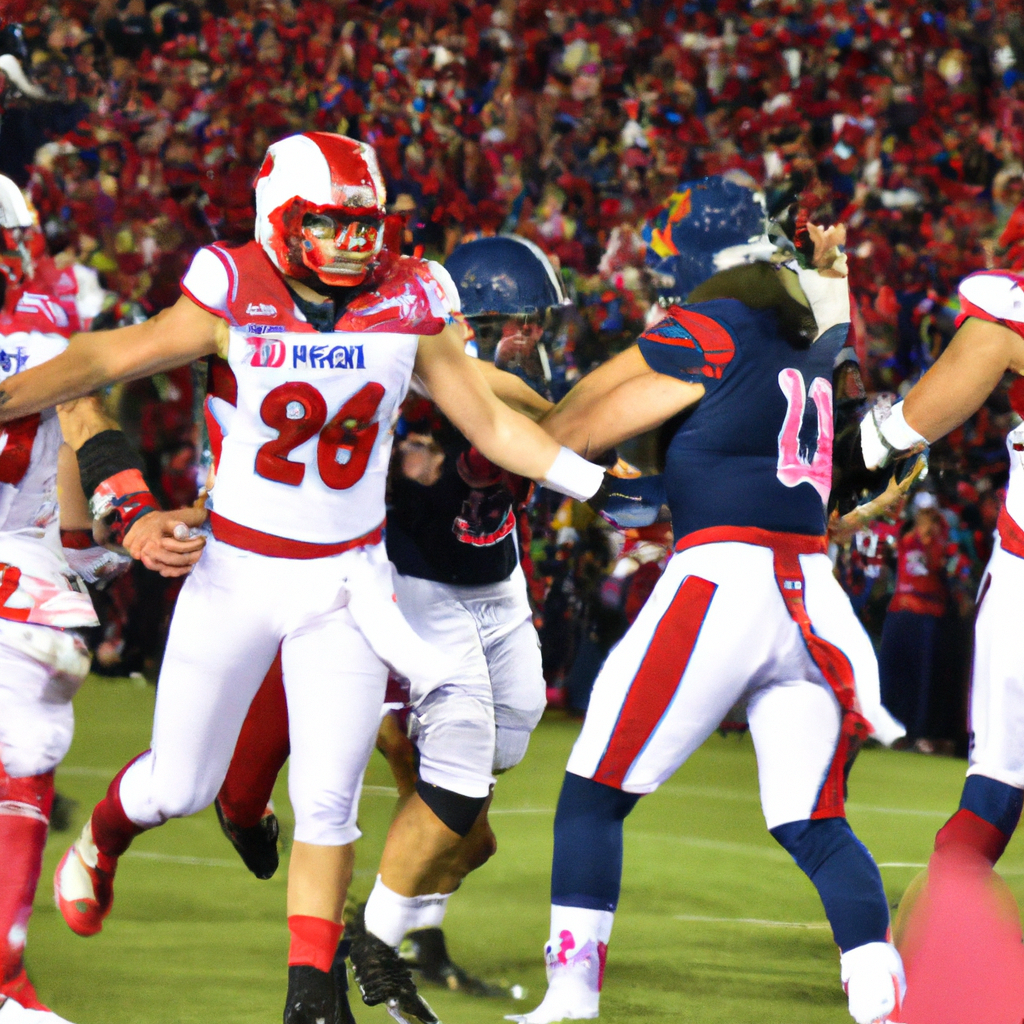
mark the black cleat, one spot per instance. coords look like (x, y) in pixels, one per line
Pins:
(256, 844)
(384, 977)
(340, 974)
(311, 997)
(425, 951)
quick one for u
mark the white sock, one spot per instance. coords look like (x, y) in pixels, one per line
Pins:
(431, 910)
(581, 924)
(389, 916)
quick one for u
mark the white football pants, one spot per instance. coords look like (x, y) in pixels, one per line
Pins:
(479, 722)
(997, 679)
(735, 622)
(338, 627)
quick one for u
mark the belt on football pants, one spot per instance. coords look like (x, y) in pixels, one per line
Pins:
(270, 544)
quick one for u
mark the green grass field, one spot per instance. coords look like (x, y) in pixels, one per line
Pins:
(715, 922)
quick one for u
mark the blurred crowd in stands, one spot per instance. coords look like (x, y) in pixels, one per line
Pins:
(567, 122)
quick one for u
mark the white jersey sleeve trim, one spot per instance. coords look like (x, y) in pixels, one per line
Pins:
(444, 279)
(999, 295)
(206, 281)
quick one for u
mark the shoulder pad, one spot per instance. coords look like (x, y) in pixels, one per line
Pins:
(408, 297)
(996, 295)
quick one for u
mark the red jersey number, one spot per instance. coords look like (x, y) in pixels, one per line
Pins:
(297, 411)
(16, 440)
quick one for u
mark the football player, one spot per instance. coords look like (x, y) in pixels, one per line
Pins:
(43, 600)
(451, 538)
(989, 342)
(748, 610)
(313, 331)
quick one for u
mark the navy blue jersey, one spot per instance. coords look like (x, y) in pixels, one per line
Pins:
(450, 532)
(756, 450)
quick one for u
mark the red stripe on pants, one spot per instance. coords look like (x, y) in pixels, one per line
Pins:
(838, 672)
(657, 679)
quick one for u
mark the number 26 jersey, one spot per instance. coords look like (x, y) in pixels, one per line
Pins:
(301, 421)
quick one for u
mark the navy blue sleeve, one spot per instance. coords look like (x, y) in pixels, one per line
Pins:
(689, 346)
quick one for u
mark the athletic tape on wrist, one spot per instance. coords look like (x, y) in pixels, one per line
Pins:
(898, 432)
(571, 474)
(111, 472)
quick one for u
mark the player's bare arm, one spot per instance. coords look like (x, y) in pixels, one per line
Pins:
(619, 400)
(515, 392)
(962, 378)
(175, 337)
(460, 389)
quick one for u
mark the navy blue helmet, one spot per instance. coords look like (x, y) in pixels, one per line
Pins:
(504, 276)
(705, 226)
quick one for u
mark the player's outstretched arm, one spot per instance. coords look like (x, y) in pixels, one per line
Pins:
(174, 337)
(515, 392)
(620, 399)
(458, 386)
(962, 378)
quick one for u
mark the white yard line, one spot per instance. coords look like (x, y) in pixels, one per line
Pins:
(173, 858)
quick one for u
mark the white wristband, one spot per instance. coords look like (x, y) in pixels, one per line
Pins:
(898, 432)
(571, 474)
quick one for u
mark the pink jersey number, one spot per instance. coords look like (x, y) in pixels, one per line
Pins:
(297, 411)
(793, 468)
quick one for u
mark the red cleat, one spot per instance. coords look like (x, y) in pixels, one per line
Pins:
(83, 885)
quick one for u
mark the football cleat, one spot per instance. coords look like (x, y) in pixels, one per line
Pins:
(311, 998)
(874, 981)
(426, 952)
(12, 1012)
(384, 977)
(256, 844)
(83, 885)
(574, 983)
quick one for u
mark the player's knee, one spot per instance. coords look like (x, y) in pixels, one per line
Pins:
(812, 841)
(37, 747)
(455, 737)
(481, 846)
(454, 810)
(993, 801)
(509, 748)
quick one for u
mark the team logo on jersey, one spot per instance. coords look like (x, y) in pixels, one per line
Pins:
(687, 329)
(796, 463)
(18, 358)
(42, 305)
(333, 357)
(261, 309)
(266, 352)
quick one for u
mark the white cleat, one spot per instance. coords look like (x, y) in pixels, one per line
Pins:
(874, 981)
(574, 984)
(12, 1012)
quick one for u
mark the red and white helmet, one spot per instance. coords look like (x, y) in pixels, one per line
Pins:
(317, 178)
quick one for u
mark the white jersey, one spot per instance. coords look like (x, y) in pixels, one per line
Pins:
(36, 583)
(301, 421)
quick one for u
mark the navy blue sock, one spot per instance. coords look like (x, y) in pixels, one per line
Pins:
(995, 802)
(587, 867)
(844, 874)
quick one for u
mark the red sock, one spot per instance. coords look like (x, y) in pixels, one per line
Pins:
(112, 829)
(24, 813)
(260, 753)
(966, 829)
(314, 941)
